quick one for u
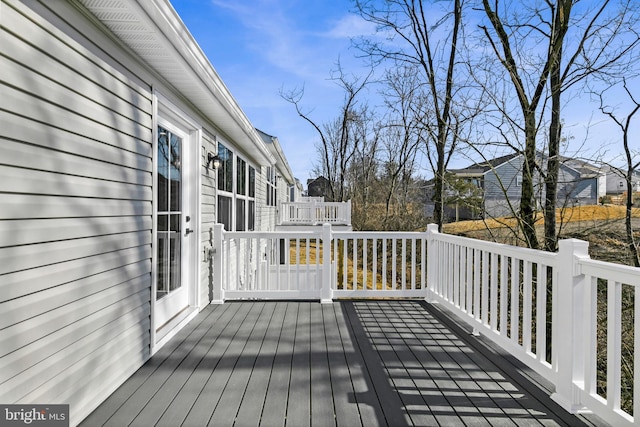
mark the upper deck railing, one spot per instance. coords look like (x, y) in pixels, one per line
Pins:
(546, 309)
(314, 211)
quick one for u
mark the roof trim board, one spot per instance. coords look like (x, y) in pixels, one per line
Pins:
(154, 32)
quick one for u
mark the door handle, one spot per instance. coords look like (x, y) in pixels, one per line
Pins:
(188, 231)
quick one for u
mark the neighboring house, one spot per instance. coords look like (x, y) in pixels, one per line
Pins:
(500, 180)
(318, 187)
(112, 121)
(617, 182)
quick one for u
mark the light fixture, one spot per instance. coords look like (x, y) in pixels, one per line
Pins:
(211, 158)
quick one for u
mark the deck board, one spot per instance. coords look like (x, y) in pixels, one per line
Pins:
(234, 339)
(224, 329)
(323, 408)
(252, 402)
(299, 406)
(350, 363)
(125, 404)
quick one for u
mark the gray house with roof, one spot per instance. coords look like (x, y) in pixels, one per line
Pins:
(500, 181)
(617, 182)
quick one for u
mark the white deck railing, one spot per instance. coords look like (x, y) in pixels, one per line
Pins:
(540, 307)
(308, 199)
(314, 212)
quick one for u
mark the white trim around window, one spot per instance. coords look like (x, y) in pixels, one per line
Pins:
(236, 190)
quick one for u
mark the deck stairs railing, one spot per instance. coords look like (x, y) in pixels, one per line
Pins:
(314, 211)
(545, 309)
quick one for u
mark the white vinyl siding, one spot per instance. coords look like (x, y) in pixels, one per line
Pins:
(76, 217)
(208, 216)
(504, 178)
(265, 215)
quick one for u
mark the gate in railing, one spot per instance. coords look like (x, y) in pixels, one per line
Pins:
(320, 264)
(285, 265)
(546, 309)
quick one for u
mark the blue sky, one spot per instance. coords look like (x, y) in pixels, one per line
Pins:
(259, 47)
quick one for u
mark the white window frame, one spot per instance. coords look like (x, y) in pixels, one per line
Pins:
(234, 196)
(226, 193)
(271, 186)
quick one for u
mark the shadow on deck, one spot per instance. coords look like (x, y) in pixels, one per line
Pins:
(368, 363)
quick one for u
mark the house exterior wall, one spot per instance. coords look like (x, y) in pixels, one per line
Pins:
(502, 188)
(76, 216)
(267, 214)
(616, 182)
(504, 177)
(208, 203)
(574, 190)
(77, 119)
(503, 180)
(283, 191)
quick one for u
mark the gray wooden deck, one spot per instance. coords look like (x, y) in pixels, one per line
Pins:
(351, 363)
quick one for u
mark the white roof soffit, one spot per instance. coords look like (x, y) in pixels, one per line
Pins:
(153, 30)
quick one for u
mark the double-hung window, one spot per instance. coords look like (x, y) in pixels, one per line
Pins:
(236, 191)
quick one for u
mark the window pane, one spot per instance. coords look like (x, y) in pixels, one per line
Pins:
(174, 253)
(175, 177)
(163, 265)
(225, 171)
(224, 212)
(252, 215)
(163, 169)
(241, 176)
(252, 182)
(240, 215)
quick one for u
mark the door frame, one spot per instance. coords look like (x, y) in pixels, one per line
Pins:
(167, 114)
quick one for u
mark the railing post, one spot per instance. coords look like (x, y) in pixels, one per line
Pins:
(326, 291)
(568, 323)
(432, 231)
(218, 264)
(348, 218)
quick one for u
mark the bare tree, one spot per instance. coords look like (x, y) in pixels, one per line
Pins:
(430, 44)
(529, 86)
(337, 140)
(632, 160)
(402, 132)
(363, 169)
(602, 37)
(531, 42)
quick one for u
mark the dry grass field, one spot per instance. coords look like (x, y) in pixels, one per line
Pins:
(578, 213)
(602, 226)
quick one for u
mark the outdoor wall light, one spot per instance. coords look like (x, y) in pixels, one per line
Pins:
(211, 158)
